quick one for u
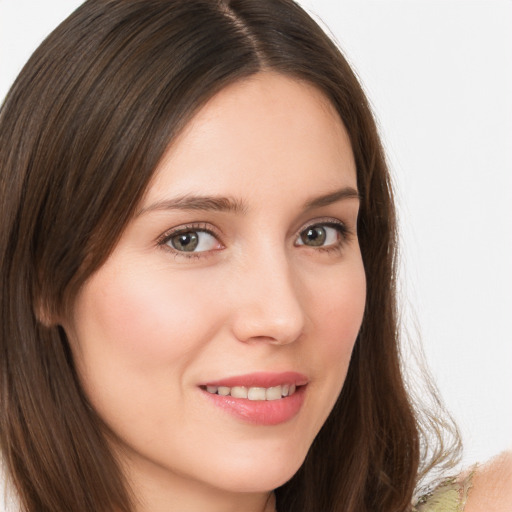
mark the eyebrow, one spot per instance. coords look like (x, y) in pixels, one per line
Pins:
(195, 202)
(333, 197)
(231, 204)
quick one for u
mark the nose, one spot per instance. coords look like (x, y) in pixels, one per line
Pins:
(267, 303)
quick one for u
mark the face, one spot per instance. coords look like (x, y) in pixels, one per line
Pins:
(216, 338)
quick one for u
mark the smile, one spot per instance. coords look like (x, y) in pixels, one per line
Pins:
(262, 398)
(254, 393)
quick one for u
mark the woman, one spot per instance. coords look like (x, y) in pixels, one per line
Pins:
(197, 266)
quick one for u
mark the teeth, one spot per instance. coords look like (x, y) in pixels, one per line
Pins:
(256, 394)
(273, 393)
(239, 392)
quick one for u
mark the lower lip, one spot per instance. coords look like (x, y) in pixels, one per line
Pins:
(261, 412)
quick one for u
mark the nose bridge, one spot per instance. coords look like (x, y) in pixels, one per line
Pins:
(268, 306)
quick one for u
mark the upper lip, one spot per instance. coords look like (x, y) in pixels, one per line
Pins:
(261, 380)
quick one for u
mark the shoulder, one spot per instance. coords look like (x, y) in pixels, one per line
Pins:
(448, 496)
(492, 486)
(484, 488)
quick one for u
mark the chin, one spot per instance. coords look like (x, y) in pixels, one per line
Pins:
(261, 482)
(257, 474)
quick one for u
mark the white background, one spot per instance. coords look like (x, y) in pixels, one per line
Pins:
(439, 75)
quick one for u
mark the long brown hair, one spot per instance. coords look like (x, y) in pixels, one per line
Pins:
(81, 132)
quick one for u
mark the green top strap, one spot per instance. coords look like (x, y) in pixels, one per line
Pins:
(449, 496)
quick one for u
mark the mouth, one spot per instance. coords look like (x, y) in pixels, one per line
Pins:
(253, 393)
(259, 398)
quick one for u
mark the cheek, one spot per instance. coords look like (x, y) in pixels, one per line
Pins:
(133, 337)
(337, 310)
(138, 327)
(338, 307)
(136, 313)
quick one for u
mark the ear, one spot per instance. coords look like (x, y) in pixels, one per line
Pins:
(44, 314)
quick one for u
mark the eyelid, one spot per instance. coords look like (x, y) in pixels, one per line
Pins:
(162, 241)
(325, 221)
(193, 226)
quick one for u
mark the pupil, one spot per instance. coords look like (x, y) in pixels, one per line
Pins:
(185, 241)
(314, 236)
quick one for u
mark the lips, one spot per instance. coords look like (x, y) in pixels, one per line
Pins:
(261, 380)
(259, 398)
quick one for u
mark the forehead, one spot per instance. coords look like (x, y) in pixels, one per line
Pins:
(266, 133)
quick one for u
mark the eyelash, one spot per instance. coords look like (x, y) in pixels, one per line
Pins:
(163, 240)
(343, 232)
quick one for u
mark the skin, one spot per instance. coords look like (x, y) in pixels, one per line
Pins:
(152, 324)
(492, 486)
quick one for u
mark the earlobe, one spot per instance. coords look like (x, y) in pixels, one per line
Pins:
(44, 314)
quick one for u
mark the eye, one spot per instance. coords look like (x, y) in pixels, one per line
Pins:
(321, 235)
(192, 240)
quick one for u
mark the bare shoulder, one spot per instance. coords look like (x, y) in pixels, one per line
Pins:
(492, 486)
